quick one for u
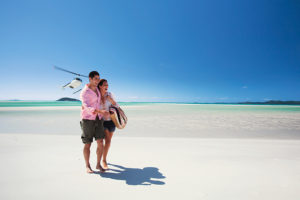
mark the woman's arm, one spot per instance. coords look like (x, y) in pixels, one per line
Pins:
(111, 99)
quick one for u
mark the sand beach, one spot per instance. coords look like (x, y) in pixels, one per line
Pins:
(172, 151)
(210, 90)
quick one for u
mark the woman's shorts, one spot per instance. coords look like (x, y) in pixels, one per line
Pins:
(109, 125)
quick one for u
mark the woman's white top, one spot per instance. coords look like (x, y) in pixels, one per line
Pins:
(107, 104)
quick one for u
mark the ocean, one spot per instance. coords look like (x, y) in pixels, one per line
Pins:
(201, 106)
(158, 119)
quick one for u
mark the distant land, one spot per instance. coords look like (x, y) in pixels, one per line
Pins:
(273, 102)
(67, 99)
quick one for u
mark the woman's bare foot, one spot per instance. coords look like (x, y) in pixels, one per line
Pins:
(89, 170)
(100, 168)
(104, 163)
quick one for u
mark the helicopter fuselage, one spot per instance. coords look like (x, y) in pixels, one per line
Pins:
(74, 83)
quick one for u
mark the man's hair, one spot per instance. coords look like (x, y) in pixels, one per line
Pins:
(93, 74)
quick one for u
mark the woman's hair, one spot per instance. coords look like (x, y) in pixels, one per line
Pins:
(101, 82)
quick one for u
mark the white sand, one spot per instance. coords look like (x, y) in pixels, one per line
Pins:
(52, 167)
(165, 152)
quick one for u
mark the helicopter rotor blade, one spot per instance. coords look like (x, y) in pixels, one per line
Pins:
(77, 91)
(59, 68)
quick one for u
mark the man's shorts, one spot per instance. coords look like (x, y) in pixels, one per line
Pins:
(91, 129)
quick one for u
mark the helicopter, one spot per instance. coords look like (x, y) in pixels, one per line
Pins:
(76, 82)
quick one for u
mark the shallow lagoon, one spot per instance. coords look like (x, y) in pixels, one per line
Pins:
(153, 119)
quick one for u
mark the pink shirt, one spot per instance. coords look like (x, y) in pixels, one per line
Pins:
(90, 102)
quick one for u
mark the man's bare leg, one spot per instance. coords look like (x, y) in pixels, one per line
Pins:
(86, 154)
(99, 154)
(108, 136)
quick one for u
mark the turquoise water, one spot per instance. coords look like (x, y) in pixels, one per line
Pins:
(185, 106)
(54, 103)
(158, 119)
(38, 103)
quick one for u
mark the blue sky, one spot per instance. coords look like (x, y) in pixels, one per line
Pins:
(196, 51)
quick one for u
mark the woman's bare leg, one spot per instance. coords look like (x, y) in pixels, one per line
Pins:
(108, 136)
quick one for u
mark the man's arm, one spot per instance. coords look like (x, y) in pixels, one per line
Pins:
(86, 103)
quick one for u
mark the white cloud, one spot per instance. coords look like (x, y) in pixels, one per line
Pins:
(133, 97)
(223, 98)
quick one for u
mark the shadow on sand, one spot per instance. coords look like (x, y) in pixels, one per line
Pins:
(134, 176)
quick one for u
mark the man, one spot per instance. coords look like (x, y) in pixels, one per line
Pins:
(92, 122)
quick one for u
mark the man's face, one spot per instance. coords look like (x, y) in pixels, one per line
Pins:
(95, 80)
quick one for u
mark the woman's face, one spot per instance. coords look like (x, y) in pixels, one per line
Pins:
(104, 87)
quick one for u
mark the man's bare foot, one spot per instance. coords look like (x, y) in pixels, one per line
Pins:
(104, 163)
(100, 168)
(89, 170)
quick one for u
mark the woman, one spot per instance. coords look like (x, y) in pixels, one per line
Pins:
(109, 127)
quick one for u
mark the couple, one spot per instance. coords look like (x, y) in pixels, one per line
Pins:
(96, 122)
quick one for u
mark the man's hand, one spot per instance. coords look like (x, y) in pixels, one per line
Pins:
(103, 112)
